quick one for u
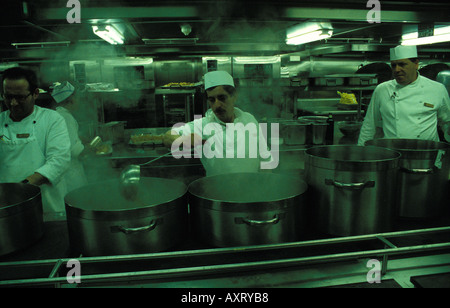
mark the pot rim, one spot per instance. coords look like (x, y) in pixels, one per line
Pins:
(218, 203)
(353, 164)
(23, 205)
(140, 211)
(445, 145)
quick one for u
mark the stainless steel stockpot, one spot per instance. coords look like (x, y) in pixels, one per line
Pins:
(240, 209)
(352, 188)
(102, 222)
(423, 176)
(21, 219)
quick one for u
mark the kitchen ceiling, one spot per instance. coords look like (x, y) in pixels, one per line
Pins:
(153, 28)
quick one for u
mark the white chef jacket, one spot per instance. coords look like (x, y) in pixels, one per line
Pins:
(46, 150)
(75, 176)
(412, 111)
(221, 157)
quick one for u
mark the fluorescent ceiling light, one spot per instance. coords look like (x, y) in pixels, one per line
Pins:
(109, 33)
(308, 32)
(259, 60)
(440, 34)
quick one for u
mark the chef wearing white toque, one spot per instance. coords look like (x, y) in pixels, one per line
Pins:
(216, 156)
(410, 106)
(34, 143)
(65, 97)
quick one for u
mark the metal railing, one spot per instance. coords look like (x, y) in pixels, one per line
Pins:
(199, 263)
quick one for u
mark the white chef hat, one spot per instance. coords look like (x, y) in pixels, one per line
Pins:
(61, 91)
(218, 78)
(403, 52)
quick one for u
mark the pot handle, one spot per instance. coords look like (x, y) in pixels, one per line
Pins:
(418, 171)
(251, 222)
(354, 186)
(127, 230)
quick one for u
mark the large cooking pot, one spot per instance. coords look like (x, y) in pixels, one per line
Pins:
(102, 222)
(352, 188)
(21, 220)
(241, 209)
(423, 176)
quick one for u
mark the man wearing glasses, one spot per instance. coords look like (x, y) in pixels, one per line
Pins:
(34, 143)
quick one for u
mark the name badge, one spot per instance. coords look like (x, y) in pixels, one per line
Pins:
(23, 136)
(428, 105)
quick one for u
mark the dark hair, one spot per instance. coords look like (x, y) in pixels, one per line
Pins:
(229, 89)
(16, 73)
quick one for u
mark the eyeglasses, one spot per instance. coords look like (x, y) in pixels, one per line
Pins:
(18, 98)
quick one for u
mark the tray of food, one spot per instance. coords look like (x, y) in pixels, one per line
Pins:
(142, 140)
(178, 85)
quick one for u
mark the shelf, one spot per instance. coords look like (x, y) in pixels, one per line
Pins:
(160, 91)
(343, 88)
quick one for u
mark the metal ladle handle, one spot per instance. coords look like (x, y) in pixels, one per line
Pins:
(149, 162)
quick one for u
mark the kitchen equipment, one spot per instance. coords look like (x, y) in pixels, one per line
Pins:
(113, 131)
(293, 132)
(352, 188)
(240, 209)
(102, 222)
(349, 128)
(297, 81)
(423, 176)
(382, 71)
(316, 129)
(329, 80)
(325, 107)
(130, 177)
(431, 71)
(363, 80)
(444, 78)
(21, 218)
(95, 142)
(129, 181)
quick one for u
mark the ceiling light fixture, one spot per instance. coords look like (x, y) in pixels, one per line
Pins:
(109, 33)
(186, 29)
(308, 32)
(440, 34)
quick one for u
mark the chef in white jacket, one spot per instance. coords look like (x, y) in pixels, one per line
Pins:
(410, 106)
(227, 139)
(34, 142)
(66, 99)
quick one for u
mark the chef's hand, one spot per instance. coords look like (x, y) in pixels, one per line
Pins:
(36, 179)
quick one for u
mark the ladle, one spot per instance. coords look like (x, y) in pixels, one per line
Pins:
(130, 178)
